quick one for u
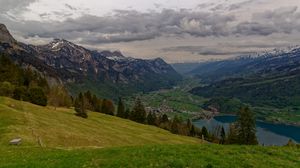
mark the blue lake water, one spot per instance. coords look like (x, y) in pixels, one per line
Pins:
(267, 133)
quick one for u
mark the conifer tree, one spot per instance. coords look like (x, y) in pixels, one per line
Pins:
(127, 113)
(204, 132)
(223, 135)
(175, 125)
(189, 126)
(232, 137)
(107, 107)
(79, 106)
(151, 118)
(192, 131)
(121, 109)
(138, 113)
(246, 127)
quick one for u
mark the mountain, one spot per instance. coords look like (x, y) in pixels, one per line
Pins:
(5, 36)
(185, 68)
(271, 79)
(275, 63)
(106, 73)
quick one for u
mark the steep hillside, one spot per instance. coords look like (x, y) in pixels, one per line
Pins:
(64, 62)
(46, 127)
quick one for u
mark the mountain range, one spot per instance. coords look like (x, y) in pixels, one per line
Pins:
(269, 79)
(106, 73)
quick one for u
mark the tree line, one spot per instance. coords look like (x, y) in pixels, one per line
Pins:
(22, 83)
(241, 132)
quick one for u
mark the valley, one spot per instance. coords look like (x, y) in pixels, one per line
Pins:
(70, 98)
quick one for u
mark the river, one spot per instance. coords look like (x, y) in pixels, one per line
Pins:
(267, 133)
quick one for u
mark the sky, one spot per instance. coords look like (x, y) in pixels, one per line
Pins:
(175, 30)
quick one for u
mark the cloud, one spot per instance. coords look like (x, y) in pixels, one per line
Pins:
(128, 25)
(131, 25)
(70, 7)
(281, 20)
(206, 51)
(240, 5)
(6, 6)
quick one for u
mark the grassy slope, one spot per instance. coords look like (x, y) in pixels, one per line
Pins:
(63, 133)
(154, 156)
(61, 128)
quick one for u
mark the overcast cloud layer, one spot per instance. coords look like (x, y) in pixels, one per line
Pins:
(197, 30)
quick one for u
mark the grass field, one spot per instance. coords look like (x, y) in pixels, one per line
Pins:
(61, 128)
(58, 138)
(163, 156)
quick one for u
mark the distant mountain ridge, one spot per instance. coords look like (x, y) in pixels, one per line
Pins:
(84, 69)
(271, 79)
(277, 62)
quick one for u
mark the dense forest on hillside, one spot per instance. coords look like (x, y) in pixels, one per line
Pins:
(22, 83)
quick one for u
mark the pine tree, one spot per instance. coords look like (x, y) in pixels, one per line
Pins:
(138, 113)
(151, 118)
(189, 126)
(127, 113)
(204, 132)
(223, 135)
(192, 131)
(121, 109)
(96, 103)
(175, 125)
(107, 107)
(232, 137)
(88, 95)
(246, 127)
(79, 106)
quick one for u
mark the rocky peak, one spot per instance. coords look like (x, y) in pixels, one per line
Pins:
(115, 55)
(5, 36)
(58, 44)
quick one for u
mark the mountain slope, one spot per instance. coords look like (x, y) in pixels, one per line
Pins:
(271, 79)
(275, 63)
(61, 128)
(64, 62)
(106, 141)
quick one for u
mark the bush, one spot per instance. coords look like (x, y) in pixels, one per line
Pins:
(20, 93)
(6, 89)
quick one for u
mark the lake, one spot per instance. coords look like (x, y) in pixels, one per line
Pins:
(267, 133)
